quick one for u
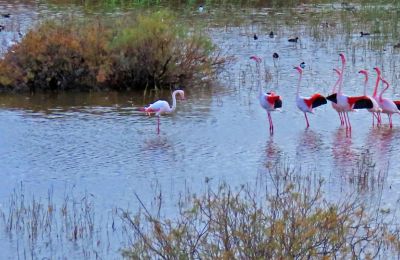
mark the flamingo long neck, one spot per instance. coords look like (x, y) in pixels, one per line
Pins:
(377, 83)
(341, 77)
(387, 86)
(298, 85)
(365, 85)
(337, 83)
(260, 89)
(173, 101)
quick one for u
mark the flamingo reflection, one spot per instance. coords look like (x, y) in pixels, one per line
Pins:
(310, 143)
(343, 153)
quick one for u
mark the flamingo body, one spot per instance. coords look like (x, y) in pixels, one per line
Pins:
(347, 103)
(388, 106)
(306, 104)
(158, 107)
(270, 101)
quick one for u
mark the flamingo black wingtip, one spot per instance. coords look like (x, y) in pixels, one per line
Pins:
(278, 103)
(363, 103)
(319, 102)
(332, 97)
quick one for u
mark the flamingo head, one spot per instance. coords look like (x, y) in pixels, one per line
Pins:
(181, 93)
(337, 71)
(342, 57)
(298, 69)
(377, 70)
(255, 58)
(365, 74)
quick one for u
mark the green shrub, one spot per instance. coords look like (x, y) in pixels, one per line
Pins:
(158, 53)
(151, 52)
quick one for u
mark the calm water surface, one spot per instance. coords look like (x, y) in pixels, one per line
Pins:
(100, 143)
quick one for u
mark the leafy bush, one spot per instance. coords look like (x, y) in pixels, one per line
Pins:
(151, 52)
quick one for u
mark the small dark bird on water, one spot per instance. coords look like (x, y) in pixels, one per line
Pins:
(2, 27)
(364, 34)
(396, 45)
(271, 34)
(302, 65)
(6, 15)
(255, 37)
(275, 55)
(293, 39)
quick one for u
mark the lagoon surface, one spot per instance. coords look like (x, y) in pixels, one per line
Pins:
(99, 144)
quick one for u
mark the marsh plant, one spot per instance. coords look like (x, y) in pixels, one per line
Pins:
(39, 226)
(152, 51)
(292, 220)
(283, 214)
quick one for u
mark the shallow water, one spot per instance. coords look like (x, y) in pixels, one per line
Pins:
(100, 143)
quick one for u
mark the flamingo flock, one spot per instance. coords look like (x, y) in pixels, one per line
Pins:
(343, 104)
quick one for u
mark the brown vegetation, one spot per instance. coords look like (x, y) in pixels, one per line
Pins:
(151, 52)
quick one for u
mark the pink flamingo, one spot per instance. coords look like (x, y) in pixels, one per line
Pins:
(306, 104)
(269, 101)
(162, 107)
(334, 105)
(388, 106)
(347, 103)
(375, 110)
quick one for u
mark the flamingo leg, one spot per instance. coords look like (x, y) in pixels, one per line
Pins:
(271, 124)
(158, 125)
(340, 117)
(379, 119)
(305, 115)
(345, 119)
(390, 120)
(348, 120)
(373, 119)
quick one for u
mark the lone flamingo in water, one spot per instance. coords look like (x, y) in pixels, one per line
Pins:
(347, 103)
(387, 105)
(375, 110)
(306, 104)
(269, 101)
(162, 107)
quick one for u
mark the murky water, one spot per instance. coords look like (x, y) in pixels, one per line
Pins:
(100, 143)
